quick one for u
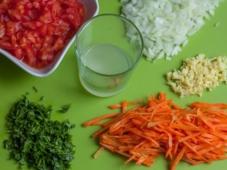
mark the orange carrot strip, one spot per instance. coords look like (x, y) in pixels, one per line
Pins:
(189, 137)
(124, 106)
(99, 119)
(114, 106)
(177, 159)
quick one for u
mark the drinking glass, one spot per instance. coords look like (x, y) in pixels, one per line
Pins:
(108, 47)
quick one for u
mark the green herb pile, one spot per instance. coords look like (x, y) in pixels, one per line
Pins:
(35, 140)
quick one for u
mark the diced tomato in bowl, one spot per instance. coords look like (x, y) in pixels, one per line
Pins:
(35, 34)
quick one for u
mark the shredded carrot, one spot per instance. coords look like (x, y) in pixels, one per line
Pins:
(98, 120)
(114, 106)
(177, 159)
(196, 134)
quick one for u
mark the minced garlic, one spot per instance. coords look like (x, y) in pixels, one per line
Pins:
(198, 74)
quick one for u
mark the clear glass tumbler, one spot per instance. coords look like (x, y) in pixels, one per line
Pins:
(108, 47)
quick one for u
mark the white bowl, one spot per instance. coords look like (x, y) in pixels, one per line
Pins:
(91, 8)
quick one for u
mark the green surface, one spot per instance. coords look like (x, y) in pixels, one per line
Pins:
(63, 87)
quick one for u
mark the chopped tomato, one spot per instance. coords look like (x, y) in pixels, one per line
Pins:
(36, 31)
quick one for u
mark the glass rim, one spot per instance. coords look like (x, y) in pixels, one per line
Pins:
(80, 30)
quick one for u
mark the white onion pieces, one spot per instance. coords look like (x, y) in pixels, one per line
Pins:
(167, 24)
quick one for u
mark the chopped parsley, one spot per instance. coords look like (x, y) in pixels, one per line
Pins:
(35, 140)
(64, 108)
(35, 89)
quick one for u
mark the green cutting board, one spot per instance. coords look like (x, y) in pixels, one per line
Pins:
(63, 87)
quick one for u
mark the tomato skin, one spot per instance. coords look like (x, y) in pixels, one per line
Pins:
(30, 56)
(59, 44)
(56, 9)
(19, 53)
(36, 31)
(29, 25)
(6, 45)
(2, 30)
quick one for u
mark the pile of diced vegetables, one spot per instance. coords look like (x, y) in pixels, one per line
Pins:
(167, 24)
